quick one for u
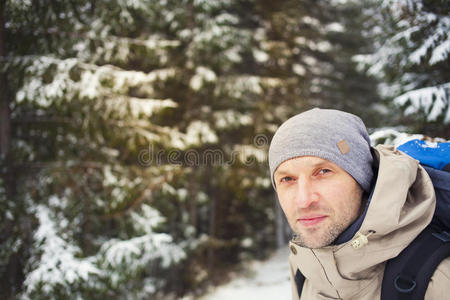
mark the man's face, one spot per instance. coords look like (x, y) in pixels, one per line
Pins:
(319, 199)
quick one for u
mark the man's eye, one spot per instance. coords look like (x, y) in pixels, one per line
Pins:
(286, 179)
(324, 171)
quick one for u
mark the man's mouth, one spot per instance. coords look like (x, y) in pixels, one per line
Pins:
(311, 220)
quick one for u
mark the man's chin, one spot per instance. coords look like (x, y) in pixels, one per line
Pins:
(312, 245)
(312, 240)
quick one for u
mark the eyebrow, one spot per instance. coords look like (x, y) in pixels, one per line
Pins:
(313, 165)
(278, 173)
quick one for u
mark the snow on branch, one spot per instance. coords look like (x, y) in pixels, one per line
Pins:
(433, 101)
(128, 256)
(432, 46)
(438, 43)
(392, 136)
(53, 81)
(395, 137)
(441, 52)
(137, 107)
(96, 80)
(231, 119)
(202, 75)
(236, 86)
(58, 263)
(36, 87)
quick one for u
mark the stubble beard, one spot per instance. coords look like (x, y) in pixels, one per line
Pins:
(329, 235)
(307, 239)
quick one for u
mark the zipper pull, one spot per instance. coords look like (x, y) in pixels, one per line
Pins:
(360, 239)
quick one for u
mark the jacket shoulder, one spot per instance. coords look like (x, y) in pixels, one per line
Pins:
(439, 282)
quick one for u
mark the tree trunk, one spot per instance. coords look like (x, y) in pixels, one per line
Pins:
(212, 221)
(5, 114)
(193, 213)
(12, 276)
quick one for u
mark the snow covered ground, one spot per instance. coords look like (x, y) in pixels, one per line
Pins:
(266, 280)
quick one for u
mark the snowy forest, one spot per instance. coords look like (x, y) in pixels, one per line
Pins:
(134, 134)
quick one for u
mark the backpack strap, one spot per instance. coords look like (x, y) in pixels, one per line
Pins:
(407, 275)
(299, 281)
(441, 184)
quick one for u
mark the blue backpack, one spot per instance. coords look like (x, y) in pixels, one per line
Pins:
(407, 275)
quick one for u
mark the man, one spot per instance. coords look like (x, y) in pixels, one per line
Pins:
(352, 207)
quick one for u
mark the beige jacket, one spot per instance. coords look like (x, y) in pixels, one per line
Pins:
(402, 205)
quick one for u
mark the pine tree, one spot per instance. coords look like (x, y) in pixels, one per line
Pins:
(145, 125)
(80, 115)
(411, 60)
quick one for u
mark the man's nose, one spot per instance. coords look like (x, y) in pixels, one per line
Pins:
(305, 194)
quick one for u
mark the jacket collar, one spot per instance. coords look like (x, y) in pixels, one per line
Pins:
(350, 232)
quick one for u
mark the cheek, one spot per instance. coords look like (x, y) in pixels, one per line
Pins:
(349, 201)
(342, 197)
(286, 203)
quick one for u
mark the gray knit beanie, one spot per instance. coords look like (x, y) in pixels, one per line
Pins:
(330, 134)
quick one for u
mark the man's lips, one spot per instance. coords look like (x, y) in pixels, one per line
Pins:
(311, 220)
